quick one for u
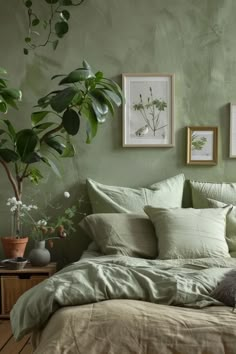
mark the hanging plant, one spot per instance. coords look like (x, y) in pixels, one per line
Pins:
(54, 27)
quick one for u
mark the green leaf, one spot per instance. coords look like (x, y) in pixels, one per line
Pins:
(55, 44)
(55, 76)
(3, 107)
(71, 121)
(66, 2)
(55, 144)
(28, 3)
(88, 112)
(65, 15)
(51, 1)
(61, 28)
(99, 105)
(37, 117)
(8, 155)
(114, 97)
(69, 150)
(27, 39)
(10, 128)
(3, 71)
(2, 141)
(41, 127)
(35, 175)
(11, 93)
(99, 75)
(77, 76)
(3, 83)
(2, 131)
(86, 65)
(10, 101)
(32, 157)
(26, 142)
(44, 101)
(62, 99)
(112, 86)
(35, 22)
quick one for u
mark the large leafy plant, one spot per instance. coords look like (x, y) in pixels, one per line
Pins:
(81, 94)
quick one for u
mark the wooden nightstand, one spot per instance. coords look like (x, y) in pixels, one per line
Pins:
(14, 283)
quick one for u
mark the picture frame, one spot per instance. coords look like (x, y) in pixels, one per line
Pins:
(202, 145)
(232, 131)
(148, 110)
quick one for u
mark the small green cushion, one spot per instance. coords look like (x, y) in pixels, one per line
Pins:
(224, 192)
(230, 224)
(116, 199)
(189, 233)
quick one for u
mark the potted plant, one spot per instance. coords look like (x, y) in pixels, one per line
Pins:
(82, 94)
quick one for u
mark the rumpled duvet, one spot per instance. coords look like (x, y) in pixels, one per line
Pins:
(178, 282)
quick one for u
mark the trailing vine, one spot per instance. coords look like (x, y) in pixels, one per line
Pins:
(55, 26)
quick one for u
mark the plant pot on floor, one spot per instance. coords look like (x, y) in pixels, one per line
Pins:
(39, 256)
(14, 247)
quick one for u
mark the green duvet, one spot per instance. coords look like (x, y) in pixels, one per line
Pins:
(174, 282)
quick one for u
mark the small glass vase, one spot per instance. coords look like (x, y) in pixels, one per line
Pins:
(16, 225)
(39, 256)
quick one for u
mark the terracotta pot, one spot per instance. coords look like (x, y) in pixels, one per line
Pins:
(14, 247)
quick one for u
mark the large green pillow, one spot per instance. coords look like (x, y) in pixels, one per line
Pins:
(189, 233)
(230, 223)
(224, 192)
(127, 234)
(116, 199)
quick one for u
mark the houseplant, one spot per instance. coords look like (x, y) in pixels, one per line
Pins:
(54, 27)
(84, 94)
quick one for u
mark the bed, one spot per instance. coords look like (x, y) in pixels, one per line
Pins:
(153, 282)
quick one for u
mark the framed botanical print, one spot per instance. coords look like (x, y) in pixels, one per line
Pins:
(232, 131)
(148, 111)
(202, 145)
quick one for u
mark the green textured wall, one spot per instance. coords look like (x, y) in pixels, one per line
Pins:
(195, 39)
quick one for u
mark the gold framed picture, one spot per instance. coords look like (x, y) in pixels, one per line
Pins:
(232, 131)
(148, 111)
(202, 145)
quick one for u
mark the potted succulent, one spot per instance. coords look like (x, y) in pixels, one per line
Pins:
(81, 94)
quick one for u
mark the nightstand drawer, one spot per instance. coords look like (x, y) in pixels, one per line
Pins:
(12, 286)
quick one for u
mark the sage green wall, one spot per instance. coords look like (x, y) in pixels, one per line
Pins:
(195, 39)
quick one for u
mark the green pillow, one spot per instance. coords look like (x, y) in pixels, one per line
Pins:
(127, 234)
(115, 199)
(224, 192)
(189, 233)
(230, 224)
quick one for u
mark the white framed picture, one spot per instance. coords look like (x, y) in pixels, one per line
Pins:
(202, 145)
(232, 131)
(148, 111)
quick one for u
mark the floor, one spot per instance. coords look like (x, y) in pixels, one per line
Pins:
(7, 343)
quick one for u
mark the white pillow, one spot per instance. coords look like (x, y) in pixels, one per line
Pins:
(189, 233)
(115, 199)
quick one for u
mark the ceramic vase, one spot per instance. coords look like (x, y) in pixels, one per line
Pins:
(39, 256)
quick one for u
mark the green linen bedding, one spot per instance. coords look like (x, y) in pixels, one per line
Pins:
(171, 282)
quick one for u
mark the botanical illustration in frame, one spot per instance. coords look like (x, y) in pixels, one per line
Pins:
(148, 110)
(202, 145)
(232, 131)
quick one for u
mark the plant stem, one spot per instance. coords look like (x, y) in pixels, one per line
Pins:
(50, 132)
(11, 179)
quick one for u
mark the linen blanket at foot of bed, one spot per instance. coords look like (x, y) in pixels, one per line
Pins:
(137, 327)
